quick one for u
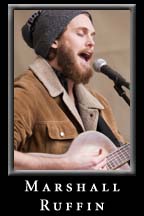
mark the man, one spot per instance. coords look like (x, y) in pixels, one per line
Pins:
(51, 104)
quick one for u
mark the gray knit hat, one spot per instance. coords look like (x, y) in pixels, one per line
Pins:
(43, 27)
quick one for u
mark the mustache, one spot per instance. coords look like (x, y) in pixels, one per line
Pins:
(70, 68)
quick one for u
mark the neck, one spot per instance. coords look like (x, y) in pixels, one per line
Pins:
(54, 64)
(70, 84)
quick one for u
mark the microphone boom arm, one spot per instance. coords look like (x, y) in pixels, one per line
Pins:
(101, 66)
(122, 93)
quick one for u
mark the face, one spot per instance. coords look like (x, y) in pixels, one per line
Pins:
(75, 49)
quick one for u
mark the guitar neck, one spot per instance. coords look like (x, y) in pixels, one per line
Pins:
(118, 157)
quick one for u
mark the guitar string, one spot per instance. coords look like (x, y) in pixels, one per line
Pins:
(118, 157)
(123, 150)
(116, 163)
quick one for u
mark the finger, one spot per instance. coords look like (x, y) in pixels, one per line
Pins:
(100, 159)
(101, 165)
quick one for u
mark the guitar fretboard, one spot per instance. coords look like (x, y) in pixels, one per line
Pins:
(118, 157)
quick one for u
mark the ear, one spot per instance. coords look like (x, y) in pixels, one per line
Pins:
(55, 44)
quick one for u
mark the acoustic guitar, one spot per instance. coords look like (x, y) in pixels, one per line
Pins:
(94, 141)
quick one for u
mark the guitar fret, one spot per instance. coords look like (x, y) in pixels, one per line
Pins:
(116, 163)
(118, 157)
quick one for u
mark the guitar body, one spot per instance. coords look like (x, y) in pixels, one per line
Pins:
(94, 141)
(98, 143)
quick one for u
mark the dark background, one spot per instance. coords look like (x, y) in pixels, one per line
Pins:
(13, 198)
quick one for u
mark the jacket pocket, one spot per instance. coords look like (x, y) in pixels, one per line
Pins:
(61, 130)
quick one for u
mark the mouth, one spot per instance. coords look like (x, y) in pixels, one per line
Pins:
(86, 56)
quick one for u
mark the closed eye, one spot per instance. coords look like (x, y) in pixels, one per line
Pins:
(81, 34)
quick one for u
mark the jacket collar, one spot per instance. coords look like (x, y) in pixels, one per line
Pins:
(85, 98)
(47, 76)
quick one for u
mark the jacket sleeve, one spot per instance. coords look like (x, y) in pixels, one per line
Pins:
(24, 114)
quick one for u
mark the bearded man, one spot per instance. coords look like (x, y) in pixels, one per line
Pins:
(52, 106)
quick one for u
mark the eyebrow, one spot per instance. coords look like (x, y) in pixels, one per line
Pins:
(85, 30)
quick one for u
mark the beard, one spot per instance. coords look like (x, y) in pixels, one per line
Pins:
(70, 68)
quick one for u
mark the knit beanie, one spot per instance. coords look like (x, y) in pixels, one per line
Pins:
(44, 27)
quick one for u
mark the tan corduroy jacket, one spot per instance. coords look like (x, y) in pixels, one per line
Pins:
(45, 118)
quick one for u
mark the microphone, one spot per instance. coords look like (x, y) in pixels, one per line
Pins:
(100, 65)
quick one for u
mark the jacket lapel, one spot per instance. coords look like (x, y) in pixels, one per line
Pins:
(47, 76)
(88, 107)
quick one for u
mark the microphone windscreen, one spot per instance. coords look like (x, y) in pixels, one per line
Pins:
(98, 64)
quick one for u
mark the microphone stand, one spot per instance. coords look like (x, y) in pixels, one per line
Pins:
(121, 92)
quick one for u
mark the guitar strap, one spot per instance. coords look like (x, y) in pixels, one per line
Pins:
(105, 129)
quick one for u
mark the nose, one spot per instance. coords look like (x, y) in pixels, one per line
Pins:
(90, 42)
